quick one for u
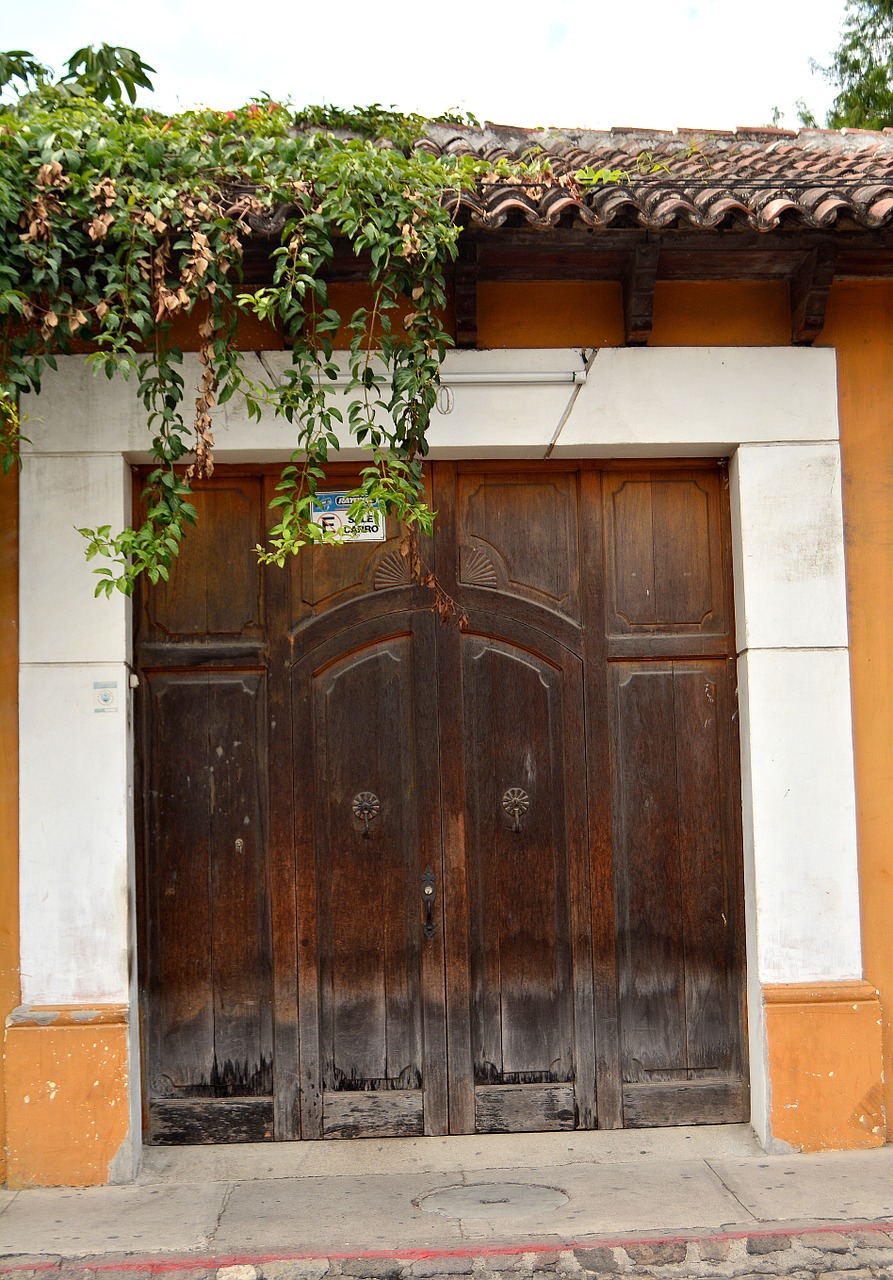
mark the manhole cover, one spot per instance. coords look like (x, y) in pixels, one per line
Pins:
(493, 1200)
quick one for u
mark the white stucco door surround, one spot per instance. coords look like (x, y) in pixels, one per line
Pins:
(771, 411)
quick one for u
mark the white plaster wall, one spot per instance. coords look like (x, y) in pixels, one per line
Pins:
(794, 695)
(81, 412)
(689, 401)
(788, 546)
(75, 802)
(58, 618)
(773, 411)
(74, 831)
(636, 402)
(797, 780)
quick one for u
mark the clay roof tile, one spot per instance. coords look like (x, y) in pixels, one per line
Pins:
(693, 177)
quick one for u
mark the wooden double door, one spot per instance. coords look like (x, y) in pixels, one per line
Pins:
(402, 876)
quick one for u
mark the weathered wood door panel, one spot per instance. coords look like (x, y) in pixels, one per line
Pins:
(679, 1005)
(525, 858)
(671, 675)
(517, 892)
(208, 954)
(561, 775)
(667, 571)
(372, 1049)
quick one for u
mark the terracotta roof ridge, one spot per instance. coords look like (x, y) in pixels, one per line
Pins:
(494, 128)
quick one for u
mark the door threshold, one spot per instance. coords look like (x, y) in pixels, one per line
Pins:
(355, 1157)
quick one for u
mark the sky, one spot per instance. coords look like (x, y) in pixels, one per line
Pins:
(664, 64)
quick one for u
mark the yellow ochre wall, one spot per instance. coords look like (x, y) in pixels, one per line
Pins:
(860, 325)
(67, 1090)
(825, 1045)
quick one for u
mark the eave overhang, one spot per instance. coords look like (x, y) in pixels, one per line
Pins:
(803, 208)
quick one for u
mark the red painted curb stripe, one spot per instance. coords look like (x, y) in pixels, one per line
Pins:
(196, 1262)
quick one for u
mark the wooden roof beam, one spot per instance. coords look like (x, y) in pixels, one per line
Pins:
(638, 294)
(810, 285)
(465, 293)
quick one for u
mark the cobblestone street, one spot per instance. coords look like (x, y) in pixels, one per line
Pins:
(861, 1252)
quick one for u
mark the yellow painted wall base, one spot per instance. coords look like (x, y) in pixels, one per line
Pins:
(825, 1065)
(66, 1094)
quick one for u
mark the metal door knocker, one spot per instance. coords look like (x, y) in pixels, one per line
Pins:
(516, 802)
(366, 806)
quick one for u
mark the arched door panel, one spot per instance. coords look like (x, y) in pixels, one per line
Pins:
(521, 994)
(369, 955)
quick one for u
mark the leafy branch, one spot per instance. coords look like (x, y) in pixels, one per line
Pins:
(117, 223)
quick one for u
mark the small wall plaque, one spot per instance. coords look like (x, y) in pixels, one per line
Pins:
(105, 695)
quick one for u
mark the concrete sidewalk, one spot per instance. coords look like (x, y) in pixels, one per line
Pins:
(453, 1206)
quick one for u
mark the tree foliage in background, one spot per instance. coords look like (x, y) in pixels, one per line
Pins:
(116, 222)
(100, 73)
(861, 69)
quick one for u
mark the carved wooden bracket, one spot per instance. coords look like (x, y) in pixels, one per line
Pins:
(465, 293)
(810, 286)
(638, 294)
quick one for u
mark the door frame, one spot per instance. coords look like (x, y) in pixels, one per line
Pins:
(298, 642)
(772, 411)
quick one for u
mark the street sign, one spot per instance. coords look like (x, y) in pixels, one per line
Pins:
(330, 510)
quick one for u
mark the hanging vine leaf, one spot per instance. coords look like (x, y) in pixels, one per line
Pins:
(115, 223)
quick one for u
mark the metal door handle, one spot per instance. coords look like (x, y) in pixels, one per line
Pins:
(429, 893)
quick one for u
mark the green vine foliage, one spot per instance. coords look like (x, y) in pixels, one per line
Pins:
(116, 221)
